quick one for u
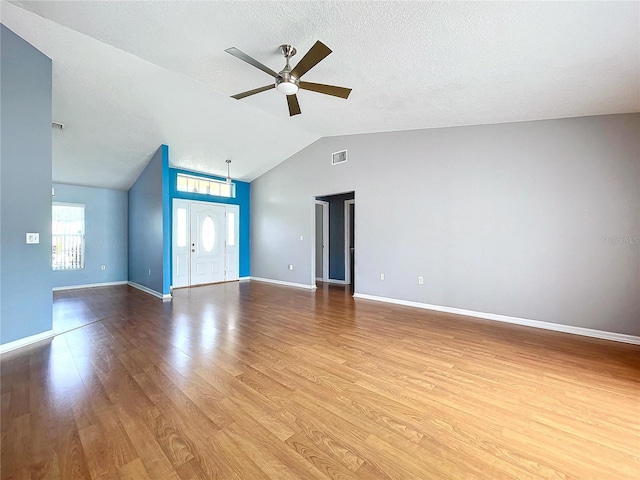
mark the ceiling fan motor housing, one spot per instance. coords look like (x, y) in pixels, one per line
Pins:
(285, 82)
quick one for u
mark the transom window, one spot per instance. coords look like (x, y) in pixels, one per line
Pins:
(67, 227)
(205, 186)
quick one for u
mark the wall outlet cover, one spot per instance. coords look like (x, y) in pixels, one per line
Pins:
(33, 238)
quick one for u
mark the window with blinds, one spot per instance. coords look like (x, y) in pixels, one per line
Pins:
(67, 227)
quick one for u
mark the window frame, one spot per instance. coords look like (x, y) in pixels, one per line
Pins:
(201, 180)
(60, 266)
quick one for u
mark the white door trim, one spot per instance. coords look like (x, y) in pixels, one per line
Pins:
(347, 234)
(325, 239)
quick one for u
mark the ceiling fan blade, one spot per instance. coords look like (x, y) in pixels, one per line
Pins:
(238, 96)
(250, 60)
(326, 89)
(311, 59)
(294, 106)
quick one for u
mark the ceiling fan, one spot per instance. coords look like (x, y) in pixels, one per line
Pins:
(288, 79)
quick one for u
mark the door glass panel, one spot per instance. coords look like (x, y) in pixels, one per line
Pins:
(208, 234)
(182, 227)
(231, 229)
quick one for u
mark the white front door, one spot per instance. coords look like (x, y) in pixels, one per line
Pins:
(205, 243)
(208, 231)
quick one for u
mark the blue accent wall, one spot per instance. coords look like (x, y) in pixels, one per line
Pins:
(25, 188)
(146, 251)
(242, 198)
(106, 238)
(336, 233)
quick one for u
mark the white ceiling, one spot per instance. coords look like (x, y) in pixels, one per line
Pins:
(131, 75)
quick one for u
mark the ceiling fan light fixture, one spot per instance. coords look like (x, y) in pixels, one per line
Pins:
(288, 88)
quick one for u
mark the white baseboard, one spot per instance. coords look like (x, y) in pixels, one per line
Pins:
(159, 295)
(319, 279)
(89, 285)
(286, 284)
(587, 332)
(23, 342)
(337, 282)
(244, 279)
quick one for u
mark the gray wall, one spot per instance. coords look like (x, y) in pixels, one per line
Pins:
(522, 219)
(146, 226)
(336, 234)
(25, 188)
(105, 235)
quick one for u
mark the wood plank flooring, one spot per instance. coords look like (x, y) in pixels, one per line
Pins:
(256, 381)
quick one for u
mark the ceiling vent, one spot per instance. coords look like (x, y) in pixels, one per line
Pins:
(339, 157)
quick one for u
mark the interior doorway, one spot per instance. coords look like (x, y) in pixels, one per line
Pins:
(333, 259)
(322, 241)
(205, 243)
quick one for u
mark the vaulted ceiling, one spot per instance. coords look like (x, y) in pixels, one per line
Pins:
(128, 76)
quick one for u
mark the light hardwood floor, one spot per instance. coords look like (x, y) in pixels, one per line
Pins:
(255, 381)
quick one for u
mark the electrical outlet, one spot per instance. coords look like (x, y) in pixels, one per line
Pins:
(290, 267)
(420, 280)
(382, 276)
(301, 237)
(103, 267)
(149, 272)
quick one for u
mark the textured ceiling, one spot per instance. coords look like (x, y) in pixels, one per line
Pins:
(131, 75)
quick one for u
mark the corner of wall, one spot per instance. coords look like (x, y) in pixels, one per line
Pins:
(166, 222)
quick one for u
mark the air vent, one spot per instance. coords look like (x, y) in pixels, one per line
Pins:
(338, 157)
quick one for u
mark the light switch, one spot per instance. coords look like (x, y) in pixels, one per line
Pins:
(33, 238)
